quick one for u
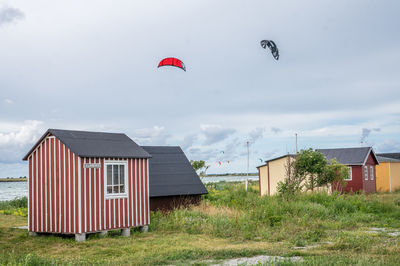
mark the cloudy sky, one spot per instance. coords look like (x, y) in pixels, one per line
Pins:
(92, 65)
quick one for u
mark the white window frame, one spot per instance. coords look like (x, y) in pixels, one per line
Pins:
(371, 172)
(350, 174)
(115, 195)
(365, 172)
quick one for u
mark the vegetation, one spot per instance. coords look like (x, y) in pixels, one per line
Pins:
(21, 179)
(310, 170)
(17, 206)
(323, 229)
(200, 166)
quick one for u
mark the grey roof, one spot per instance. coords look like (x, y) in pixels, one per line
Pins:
(171, 173)
(387, 159)
(96, 144)
(393, 155)
(348, 156)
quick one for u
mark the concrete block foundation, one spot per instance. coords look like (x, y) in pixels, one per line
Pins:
(144, 228)
(102, 233)
(126, 232)
(80, 237)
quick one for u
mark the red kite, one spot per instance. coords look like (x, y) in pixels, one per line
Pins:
(171, 61)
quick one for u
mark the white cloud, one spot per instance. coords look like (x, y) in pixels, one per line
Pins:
(275, 130)
(17, 138)
(311, 90)
(215, 133)
(8, 101)
(26, 133)
(389, 145)
(151, 136)
(188, 141)
(256, 134)
(10, 15)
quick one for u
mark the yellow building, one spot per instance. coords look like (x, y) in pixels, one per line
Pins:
(387, 174)
(272, 172)
(276, 170)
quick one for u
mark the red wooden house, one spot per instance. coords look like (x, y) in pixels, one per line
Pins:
(86, 182)
(361, 162)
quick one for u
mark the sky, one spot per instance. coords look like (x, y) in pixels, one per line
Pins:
(92, 65)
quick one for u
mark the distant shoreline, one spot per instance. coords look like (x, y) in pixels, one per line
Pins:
(13, 179)
(231, 174)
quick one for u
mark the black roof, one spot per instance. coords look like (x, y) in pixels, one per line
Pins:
(348, 156)
(393, 155)
(96, 144)
(387, 159)
(171, 173)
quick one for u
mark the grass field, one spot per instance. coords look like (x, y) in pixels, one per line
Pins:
(322, 229)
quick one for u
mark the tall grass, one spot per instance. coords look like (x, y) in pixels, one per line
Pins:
(16, 206)
(228, 211)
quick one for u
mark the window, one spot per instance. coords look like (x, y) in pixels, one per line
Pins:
(371, 172)
(116, 178)
(350, 174)
(366, 172)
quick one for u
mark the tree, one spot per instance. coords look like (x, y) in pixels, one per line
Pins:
(293, 183)
(310, 170)
(199, 165)
(310, 165)
(335, 173)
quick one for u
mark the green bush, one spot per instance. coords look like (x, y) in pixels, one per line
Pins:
(17, 207)
(14, 204)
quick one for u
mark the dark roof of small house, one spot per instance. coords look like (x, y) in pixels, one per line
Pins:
(96, 144)
(393, 155)
(171, 173)
(348, 156)
(387, 159)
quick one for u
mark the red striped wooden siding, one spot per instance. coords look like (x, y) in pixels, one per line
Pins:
(65, 197)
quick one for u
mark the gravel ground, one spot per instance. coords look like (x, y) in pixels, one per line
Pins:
(258, 259)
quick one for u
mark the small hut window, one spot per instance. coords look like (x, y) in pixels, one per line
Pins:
(116, 177)
(350, 174)
(371, 172)
(366, 172)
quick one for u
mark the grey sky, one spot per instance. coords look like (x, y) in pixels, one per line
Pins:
(92, 65)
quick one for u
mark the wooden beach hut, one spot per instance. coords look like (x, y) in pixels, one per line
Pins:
(173, 181)
(85, 182)
(361, 162)
(387, 174)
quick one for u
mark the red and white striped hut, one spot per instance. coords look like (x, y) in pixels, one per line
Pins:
(86, 182)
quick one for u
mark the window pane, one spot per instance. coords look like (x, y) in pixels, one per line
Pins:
(366, 172)
(109, 189)
(122, 174)
(122, 189)
(350, 174)
(115, 189)
(115, 172)
(371, 172)
(109, 174)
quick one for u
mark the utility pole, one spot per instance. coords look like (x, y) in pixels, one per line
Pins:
(247, 176)
(296, 143)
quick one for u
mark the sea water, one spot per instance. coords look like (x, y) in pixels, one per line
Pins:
(12, 190)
